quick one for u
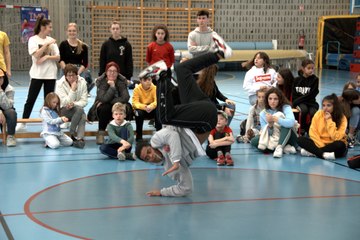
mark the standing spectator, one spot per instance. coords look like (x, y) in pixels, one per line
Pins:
(8, 114)
(117, 49)
(160, 48)
(220, 140)
(200, 40)
(144, 104)
(327, 132)
(5, 57)
(71, 89)
(111, 88)
(305, 90)
(260, 75)
(74, 51)
(45, 55)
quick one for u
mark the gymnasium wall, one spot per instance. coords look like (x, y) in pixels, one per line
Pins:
(236, 20)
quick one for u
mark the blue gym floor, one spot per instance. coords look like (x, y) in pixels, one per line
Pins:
(72, 193)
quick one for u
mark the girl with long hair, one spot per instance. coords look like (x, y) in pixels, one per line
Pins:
(327, 131)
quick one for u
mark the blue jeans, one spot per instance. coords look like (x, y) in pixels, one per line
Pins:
(355, 117)
(11, 119)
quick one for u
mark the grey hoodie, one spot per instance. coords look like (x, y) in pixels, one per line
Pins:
(200, 42)
(183, 150)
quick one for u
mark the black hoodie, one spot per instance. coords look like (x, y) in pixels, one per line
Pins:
(119, 51)
(305, 90)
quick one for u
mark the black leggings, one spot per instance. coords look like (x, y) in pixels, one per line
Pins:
(195, 111)
(338, 147)
(34, 90)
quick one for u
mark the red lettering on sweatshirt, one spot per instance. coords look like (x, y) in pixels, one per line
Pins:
(263, 78)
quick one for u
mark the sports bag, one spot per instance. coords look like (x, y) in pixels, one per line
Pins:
(354, 161)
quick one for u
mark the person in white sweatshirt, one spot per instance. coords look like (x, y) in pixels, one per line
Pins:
(260, 75)
(72, 90)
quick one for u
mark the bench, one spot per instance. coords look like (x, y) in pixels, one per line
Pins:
(244, 51)
(36, 134)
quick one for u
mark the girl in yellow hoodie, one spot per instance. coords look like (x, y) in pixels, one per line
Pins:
(327, 132)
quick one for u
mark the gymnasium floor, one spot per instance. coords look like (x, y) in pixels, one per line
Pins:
(72, 193)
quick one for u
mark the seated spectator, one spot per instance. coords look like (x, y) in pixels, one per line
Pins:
(349, 85)
(52, 134)
(121, 135)
(220, 140)
(72, 91)
(304, 92)
(144, 104)
(277, 122)
(8, 114)
(327, 132)
(207, 83)
(260, 75)
(111, 89)
(285, 81)
(350, 102)
(250, 127)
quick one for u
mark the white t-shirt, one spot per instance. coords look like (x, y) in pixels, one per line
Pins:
(47, 69)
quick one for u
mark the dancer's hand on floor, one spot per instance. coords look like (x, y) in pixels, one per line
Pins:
(154, 193)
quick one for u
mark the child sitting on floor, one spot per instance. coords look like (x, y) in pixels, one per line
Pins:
(220, 140)
(250, 127)
(51, 132)
(121, 135)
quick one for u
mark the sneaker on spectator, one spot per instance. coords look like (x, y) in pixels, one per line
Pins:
(100, 137)
(242, 139)
(65, 125)
(20, 127)
(79, 143)
(329, 155)
(351, 142)
(305, 153)
(220, 160)
(288, 149)
(121, 156)
(224, 50)
(10, 141)
(228, 160)
(278, 153)
(130, 156)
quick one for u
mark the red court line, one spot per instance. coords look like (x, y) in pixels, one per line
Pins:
(183, 203)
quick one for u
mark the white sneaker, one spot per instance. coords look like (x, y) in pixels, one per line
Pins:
(329, 155)
(20, 127)
(278, 152)
(154, 70)
(224, 49)
(65, 125)
(121, 156)
(10, 141)
(305, 153)
(288, 149)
